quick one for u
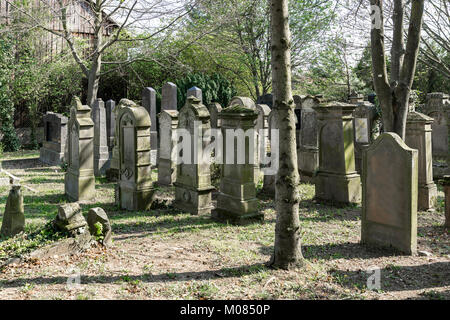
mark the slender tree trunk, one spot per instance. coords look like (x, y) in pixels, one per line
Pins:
(94, 71)
(287, 250)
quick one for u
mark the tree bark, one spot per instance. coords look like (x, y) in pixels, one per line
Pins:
(287, 249)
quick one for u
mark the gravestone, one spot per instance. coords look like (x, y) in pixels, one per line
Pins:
(193, 185)
(135, 186)
(110, 123)
(169, 96)
(245, 102)
(446, 185)
(438, 107)
(79, 182)
(55, 139)
(112, 173)
(307, 143)
(214, 109)
(13, 218)
(149, 103)
(363, 118)
(389, 215)
(270, 179)
(262, 139)
(266, 99)
(167, 169)
(101, 153)
(195, 92)
(98, 216)
(337, 179)
(418, 136)
(236, 201)
(70, 219)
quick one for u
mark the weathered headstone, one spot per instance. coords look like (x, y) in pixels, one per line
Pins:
(112, 173)
(101, 153)
(307, 143)
(195, 92)
(55, 139)
(70, 219)
(438, 107)
(262, 136)
(270, 179)
(389, 216)
(135, 186)
(245, 102)
(98, 216)
(237, 201)
(193, 186)
(149, 103)
(214, 110)
(169, 96)
(363, 118)
(337, 179)
(13, 218)
(110, 123)
(167, 169)
(446, 184)
(418, 136)
(79, 182)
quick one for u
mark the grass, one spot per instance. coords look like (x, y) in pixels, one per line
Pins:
(168, 254)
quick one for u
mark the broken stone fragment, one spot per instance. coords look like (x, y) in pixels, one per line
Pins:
(98, 215)
(14, 218)
(70, 219)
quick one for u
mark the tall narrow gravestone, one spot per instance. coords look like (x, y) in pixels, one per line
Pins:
(135, 186)
(237, 201)
(270, 179)
(169, 96)
(79, 182)
(167, 169)
(110, 123)
(418, 136)
(214, 110)
(364, 115)
(337, 179)
(262, 136)
(55, 138)
(193, 186)
(308, 146)
(390, 175)
(149, 103)
(101, 153)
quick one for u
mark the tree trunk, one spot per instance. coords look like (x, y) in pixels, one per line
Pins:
(93, 80)
(287, 249)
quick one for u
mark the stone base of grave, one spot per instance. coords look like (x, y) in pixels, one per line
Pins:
(101, 164)
(236, 210)
(194, 201)
(51, 157)
(135, 200)
(379, 235)
(308, 163)
(427, 196)
(112, 174)
(80, 186)
(341, 189)
(222, 215)
(167, 172)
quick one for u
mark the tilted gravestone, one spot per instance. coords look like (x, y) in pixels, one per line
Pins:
(438, 107)
(214, 110)
(135, 186)
(195, 92)
(389, 180)
(418, 136)
(70, 219)
(101, 153)
(237, 201)
(55, 139)
(149, 103)
(79, 182)
(169, 96)
(112, 173)
(307, 144)
(13, 218)
(167, 169)
(110, 105)
(337, 179)
(96, 217)
(193, 186)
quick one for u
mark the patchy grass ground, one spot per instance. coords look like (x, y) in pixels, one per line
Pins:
(166, 254)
